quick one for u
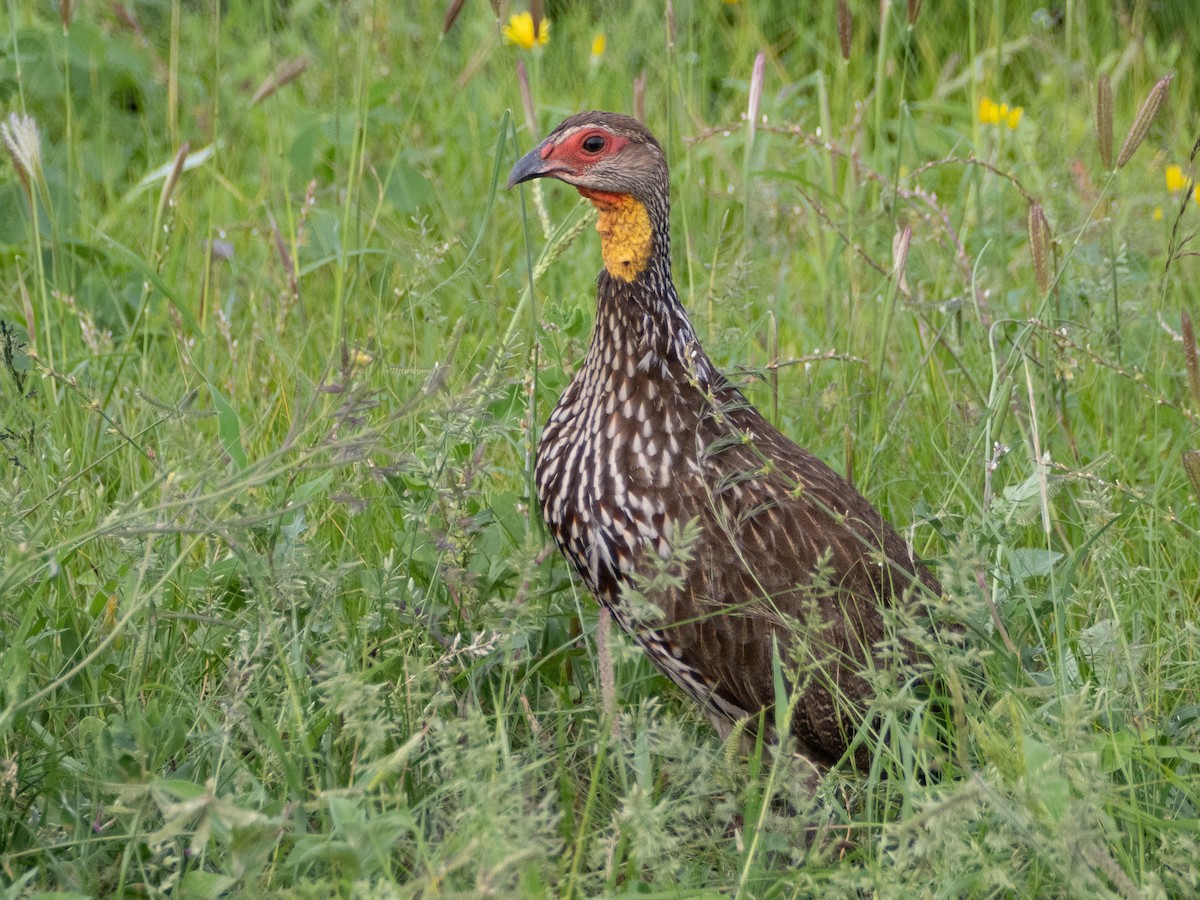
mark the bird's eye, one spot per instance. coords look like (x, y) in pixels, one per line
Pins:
(593, 143)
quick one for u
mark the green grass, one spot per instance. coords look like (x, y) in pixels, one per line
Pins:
(277, 614)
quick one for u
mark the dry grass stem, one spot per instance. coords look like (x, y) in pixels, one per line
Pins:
(172, 178)
(526, 98)
(818, 356)
(604, 661)
(1104, 121)
(531, 123)
(281, 250)
(1180, 240)
(26, 306)
(848, 453)
(452, 12)
(534, 727)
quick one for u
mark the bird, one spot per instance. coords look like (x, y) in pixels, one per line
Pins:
(729, 553)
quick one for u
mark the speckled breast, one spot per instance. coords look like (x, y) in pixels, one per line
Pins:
(608, 469)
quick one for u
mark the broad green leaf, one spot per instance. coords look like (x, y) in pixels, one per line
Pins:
(229, 428)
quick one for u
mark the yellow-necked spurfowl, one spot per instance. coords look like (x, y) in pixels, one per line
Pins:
(651, 443)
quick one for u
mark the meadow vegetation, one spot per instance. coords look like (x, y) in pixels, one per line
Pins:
(277, 615)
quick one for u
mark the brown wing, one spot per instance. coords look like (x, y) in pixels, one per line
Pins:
(818, 564)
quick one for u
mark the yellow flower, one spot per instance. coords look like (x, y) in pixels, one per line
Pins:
(993, 113)
(598, 44)
(519, 31)
(1158, 214)
(1196, 194)
(1175, 179)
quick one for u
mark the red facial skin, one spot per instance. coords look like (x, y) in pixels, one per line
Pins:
(570, 155)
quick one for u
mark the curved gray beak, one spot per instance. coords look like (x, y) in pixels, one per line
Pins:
(531, 166)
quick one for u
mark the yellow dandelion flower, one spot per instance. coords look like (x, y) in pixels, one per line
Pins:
(1175, 179)
(519, 31)
(1158, 214)
(598, 45)
(1012, 118)
(1196, 194)
(989, 112)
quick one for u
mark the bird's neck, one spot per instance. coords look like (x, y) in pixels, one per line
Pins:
(639, 319)
(631, 233)
(641, 323)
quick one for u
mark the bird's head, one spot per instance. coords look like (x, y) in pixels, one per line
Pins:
(617, 164)
(598, 152)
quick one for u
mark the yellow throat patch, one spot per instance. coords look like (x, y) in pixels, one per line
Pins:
(626, 236)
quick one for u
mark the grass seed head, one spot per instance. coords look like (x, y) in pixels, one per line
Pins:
(285, 73)
(1191, 465)
(901, 241)
(845, 28)
(24, 146)
(538, 15)
(756, 84)
(1144, 119)
(1039, 246)
(1189, 355)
